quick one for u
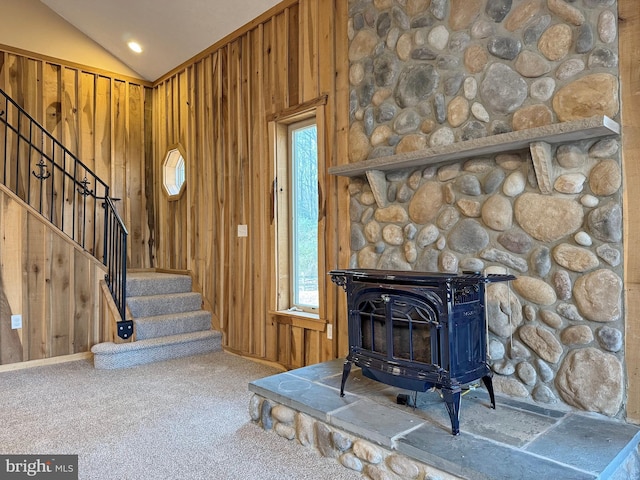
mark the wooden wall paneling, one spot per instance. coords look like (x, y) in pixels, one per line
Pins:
(268, 53)
(309, 13)
(196, 165)
(150, 180)
(239, 185)
(219, 301)
(200, 169)
(87, 119)
(30, 85)
(326, 118)
(225, 195)
(284, 344)
(11, 89)
(119, 184)
(135, 177)
(293, 52)
(3, 73)
(85, 297)
(313, 347)
(10, 341)
(35, 319)
(252, 316)
(261, 179)
(90, 209)
(205, 255)
(59, 299)
(325, 152)
(70, 138)
(51, 115)
(340, 239)
(183, 226)
(297, 347)
(629, 45)
(103, 126)
(160, 134)
(12, 252)
(102, 147)
(281, 42)
(271, 327)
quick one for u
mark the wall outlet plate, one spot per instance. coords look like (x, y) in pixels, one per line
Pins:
(329, 331)
(242, 231)
(16, 321)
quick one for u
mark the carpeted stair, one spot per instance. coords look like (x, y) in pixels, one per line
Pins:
(168, 323)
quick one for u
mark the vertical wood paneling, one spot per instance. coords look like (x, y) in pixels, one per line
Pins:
(12, 250)
(309, 51)
(338, 197)
(83, 300)
(275, 66)
(135, 176)
(630, 88)
(59, 295)
(36, 320)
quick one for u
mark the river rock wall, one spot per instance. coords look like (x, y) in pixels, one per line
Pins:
(425, 73)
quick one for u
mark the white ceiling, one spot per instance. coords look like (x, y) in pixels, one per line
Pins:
(170, 31)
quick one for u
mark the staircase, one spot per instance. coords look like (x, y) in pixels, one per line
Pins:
(169, 323)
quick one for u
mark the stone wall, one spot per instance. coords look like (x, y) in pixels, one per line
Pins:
(426, 73)
(373, 461)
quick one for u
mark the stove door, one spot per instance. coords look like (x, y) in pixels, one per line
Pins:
(397, 326)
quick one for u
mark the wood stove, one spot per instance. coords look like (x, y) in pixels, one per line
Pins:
(419, 330)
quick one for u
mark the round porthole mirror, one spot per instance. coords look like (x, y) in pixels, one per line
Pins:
(173, 172)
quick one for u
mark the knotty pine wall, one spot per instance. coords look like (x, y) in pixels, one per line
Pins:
(218, 107)
(106, 122)
(629, 43)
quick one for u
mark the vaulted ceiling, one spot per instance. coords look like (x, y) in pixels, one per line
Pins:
(169, 31)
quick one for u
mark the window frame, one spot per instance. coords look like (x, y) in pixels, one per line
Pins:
(169, 172)
(281, 293)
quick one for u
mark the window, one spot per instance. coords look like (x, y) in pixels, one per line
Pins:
(173, 172)
(303, 161)
(299, 269)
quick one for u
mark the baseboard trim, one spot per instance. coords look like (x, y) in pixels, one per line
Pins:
(46, 361)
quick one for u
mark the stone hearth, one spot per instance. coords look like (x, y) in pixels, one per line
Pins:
(368, 432)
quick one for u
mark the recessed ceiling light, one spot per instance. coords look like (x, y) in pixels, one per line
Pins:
(135, 46)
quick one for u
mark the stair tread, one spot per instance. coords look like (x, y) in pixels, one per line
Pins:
(152, 283)
(151, 298)
(113, 348)
(171, 316)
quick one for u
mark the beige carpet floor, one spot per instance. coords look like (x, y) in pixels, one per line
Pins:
(176, 420)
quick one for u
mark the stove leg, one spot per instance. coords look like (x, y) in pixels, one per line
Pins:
(489, 384)
(345, 374)
(452, 401)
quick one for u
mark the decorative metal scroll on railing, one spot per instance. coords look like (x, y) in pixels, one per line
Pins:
(53, 181)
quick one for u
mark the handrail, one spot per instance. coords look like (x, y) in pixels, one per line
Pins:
(115, 258)
(48, 177)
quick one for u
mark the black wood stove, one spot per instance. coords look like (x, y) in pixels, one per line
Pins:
(419, 330)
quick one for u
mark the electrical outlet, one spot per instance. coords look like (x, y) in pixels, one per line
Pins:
(329, 331)
(242, 231)
(16, 321)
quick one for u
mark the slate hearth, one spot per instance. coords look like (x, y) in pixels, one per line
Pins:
(517, 441)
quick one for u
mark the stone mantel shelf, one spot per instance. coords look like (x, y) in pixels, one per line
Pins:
(593, 127)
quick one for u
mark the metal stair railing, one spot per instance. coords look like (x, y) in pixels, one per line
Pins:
(45, 175)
